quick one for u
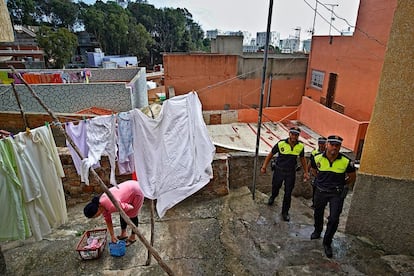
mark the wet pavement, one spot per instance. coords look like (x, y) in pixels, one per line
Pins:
(231, 235)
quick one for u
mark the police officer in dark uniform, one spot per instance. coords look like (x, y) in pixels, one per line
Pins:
(335, 172)
(321, 148)
(284, 168)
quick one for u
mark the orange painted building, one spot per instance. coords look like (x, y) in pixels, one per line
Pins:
(225, 81)
(335, 94)
(343, 75)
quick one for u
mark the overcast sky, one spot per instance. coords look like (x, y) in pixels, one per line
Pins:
(251, 15)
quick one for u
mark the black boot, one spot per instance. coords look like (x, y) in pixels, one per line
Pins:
(315, 235)
(285, 216)
(328, 250)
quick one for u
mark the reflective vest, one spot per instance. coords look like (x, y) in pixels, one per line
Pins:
(285, 148)
(339, 165)
(315, 152)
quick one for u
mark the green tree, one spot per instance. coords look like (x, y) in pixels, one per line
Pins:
(109, 22)
(139, 41)
(93, 19)
(172, 29)
(58, 45)
(22, 11)
(64, 13)
(145, 14)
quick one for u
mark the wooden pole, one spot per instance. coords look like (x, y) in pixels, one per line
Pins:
(148, 262)
(163, 265)
(19, 103)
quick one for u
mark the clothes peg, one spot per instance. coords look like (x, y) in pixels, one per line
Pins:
(28, 131)
(47, 124)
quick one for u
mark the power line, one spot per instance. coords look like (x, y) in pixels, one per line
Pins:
(354, 27)
(326, 20)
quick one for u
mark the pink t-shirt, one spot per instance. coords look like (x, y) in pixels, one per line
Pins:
(129, 196)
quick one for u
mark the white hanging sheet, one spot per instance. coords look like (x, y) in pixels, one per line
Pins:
(173, 153)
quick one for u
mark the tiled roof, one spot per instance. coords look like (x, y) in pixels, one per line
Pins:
(96, 111)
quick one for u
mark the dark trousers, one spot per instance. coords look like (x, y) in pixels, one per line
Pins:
(124, 224)
(288, 178)
(336, 203)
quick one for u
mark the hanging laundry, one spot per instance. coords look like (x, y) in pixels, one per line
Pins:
(88, 75)
(65, 77)
(14, 224)
(125, 149)
(101, 139)
(78, 135)
(174, 151)
(41, 173)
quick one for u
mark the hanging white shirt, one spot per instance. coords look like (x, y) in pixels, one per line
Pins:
(173, 152)
(101, 139)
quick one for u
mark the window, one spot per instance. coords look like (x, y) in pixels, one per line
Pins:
(317, 79)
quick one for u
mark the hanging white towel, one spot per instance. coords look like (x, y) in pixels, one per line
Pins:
(173, 152)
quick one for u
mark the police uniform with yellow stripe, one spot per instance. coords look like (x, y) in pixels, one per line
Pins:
(284, 170)
(330, 187)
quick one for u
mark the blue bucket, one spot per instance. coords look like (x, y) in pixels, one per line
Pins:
(117, 249)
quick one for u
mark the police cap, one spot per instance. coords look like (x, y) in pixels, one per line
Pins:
(294, 130)
(321, 140)
(335, 139)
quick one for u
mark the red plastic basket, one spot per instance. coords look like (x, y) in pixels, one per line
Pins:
(90, 254)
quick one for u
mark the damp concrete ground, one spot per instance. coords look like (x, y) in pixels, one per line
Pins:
(230, 235)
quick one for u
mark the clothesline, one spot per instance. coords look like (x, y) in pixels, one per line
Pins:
(39, 77)
(151, 250)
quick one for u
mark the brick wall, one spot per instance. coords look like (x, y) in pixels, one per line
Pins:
(231, 170)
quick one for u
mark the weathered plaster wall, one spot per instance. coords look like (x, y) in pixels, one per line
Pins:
(234, 82)
(382, 207)
(357, 59)
(315, 115)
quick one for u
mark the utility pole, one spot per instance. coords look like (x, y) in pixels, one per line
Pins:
(259, 122)
(314, 17)
(332, 18)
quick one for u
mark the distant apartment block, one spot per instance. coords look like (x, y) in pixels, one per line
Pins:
(274, 38)
(289, 45)
(306, 45)
(250, 48)
(211, 34)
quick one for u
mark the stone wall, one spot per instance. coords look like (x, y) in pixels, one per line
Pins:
(68, 98)
(114, 89)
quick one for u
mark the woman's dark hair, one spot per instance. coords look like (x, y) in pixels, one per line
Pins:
(91, 208)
